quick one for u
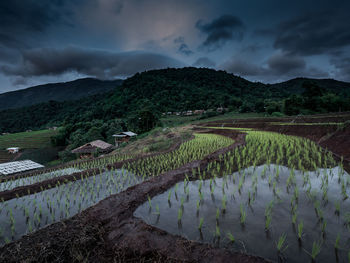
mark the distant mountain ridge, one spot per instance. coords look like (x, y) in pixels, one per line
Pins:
(295, 85)
(62, 91)
(180, 89)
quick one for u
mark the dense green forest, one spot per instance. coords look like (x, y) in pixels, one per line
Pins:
(138, 103)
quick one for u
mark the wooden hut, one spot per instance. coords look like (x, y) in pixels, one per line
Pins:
(123, 137)
(89, 149)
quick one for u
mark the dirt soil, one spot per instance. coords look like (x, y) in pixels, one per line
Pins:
(108, 231)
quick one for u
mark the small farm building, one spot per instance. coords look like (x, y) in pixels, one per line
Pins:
(13, 149)
(123, 137)
(18, 166)
(89, 149)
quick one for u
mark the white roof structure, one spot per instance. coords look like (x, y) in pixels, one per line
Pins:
(18, 166)
(13, 148)
(124, 134)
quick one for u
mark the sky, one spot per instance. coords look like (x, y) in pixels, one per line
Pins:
(269, 41)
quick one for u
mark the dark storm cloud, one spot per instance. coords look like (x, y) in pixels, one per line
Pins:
(342, 65)
(314, 33)
(278, 66)
(101, 64)
(221, 30)
(182, 46)
(204, 62)
(21, 19)
(282, 64)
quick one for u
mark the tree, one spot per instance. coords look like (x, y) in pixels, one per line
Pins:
(293, 105)
(143, 121)
(312, 93)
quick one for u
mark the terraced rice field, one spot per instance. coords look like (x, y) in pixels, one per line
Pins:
(284, 191)
(32, 211)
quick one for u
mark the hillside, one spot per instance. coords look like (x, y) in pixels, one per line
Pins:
(295, 85)
(63, 91)
(180, 90)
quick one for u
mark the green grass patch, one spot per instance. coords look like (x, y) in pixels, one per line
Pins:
(28, 140)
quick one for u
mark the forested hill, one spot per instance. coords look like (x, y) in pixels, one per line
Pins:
(72, 90)
(201, 88)
(184, 89)
(330, 85)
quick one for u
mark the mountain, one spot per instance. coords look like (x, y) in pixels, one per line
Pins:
(179, 90)
(295, 85)
(63, 91)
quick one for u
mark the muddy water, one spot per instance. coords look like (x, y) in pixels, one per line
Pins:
(32, 212)
(8, 185)
(251, 237)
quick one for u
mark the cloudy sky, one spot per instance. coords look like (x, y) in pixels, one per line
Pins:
(269, 41)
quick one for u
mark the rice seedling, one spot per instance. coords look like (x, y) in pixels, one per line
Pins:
(323, 227)
(157, 210)
(300, 229)
(169, 195)
(217, 214)
(280, 244)
(268, 220)
(337, 208)
(201, 220)
(217, 231)
(243, 214)
(294, 218)
(179, 215)
(149, 202)
(230, 237)
(316, 249)
(224, 204)
(337, 242)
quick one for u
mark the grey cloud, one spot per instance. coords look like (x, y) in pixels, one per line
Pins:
(101, 64)
(204, 62)
(314, 33)
(282, 64)
(279, 66)
(182, 46)
(342, 66)
(21, 19)
(221, 30)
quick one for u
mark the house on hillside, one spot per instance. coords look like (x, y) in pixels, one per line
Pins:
(13, 150)
(89, 149)
(123, 137)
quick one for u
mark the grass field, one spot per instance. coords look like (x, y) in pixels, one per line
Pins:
(5, 156)
(27, 140)
(34, 145)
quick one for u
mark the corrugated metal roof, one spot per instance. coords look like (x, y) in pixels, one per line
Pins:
(18, 166)
(12, 148)
(123, 134)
